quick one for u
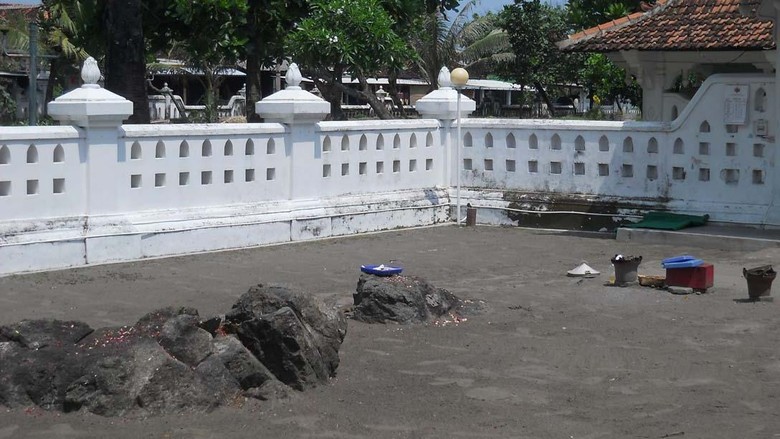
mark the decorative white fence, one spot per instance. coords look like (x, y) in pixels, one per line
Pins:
(71, 196)
(696, 164)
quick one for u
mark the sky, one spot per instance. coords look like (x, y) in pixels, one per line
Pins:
(491, 5)
(484, 6)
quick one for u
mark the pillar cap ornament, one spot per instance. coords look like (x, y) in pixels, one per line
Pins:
(293, 105)
(90, 105)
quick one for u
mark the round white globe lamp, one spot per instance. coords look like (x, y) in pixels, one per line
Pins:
(459, 77)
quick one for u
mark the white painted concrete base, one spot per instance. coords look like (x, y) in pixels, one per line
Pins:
(119, 238)
(38, 256)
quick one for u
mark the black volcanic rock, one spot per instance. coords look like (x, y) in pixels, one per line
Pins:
(171, 361)
(403, 299)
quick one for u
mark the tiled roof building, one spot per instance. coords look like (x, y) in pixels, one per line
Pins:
(676, 25)
(675, 40)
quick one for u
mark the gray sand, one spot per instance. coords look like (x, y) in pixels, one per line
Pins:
(552, 356)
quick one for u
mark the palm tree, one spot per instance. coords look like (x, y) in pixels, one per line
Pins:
(69, 32)
(485, 47)
(437, 42)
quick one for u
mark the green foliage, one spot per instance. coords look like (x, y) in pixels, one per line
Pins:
(606, 80)
(208, 35)
(16, 26)
(438, 40)
(687, 84)
(533, 29)
(348, 36)
(441, 5)
(7, 105)
(71, 28)
(209, 32)
(486, 47)
(266, 25)
(589, 13)
(353, 34)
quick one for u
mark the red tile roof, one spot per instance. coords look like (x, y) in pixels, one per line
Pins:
(9, 10)
(678, 25)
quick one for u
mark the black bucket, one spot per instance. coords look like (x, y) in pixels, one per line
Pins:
(759, 281)
(626, 268)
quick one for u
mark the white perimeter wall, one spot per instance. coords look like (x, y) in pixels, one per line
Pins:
(175, 189)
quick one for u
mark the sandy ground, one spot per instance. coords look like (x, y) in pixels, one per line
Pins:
(552, 356)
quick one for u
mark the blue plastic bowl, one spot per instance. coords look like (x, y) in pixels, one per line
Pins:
(381, 270)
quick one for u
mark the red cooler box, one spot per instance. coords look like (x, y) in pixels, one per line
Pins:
(698, 278)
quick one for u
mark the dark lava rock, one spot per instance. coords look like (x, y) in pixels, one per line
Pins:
(125, 369)
(402, 299)
(36, 334)
(211, 325)
(184, 340)
(38, 361)
(295, 335)
(171, 361)
(244, 367)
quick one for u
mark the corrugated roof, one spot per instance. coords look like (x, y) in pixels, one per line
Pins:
(680, 25)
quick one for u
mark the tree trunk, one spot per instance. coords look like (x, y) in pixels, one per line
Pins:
(392, 88)
(365, 93)
(435, 62)
(54, 79)
(332, 94)
(125, 67)
(543, 93)
(252, 86)
(253, 93)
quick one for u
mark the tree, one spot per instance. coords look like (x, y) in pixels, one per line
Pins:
(347, 37)
(71, 30)
(14, 27)
(589, 13)
(437, 39)
(405, 15)
(218, 42)
(607, 80)
(267, 22)
(125, 66)
(533, 30)
(486, 49)
(599, 73)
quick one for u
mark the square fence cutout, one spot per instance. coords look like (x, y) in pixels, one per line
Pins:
(652, 172)
(58, 185)
(32, 187)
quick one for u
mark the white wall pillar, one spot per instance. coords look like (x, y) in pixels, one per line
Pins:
(652, 79)
(100, 113)
(300, 111)
(442, 104)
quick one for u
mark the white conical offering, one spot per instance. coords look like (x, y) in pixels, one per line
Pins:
(583, 270)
